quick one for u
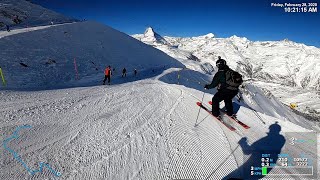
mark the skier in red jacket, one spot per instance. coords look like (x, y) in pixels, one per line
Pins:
(107, 75)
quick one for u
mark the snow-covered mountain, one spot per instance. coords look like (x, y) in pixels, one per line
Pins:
(152, 37)
(293, 67)
(170, 47)
(22, 13)
(284, 62)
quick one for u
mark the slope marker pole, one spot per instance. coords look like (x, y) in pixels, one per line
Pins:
(199, 110)
(76, 69)
(2, 77)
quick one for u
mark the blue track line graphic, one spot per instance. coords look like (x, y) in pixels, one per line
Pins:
(15, 135)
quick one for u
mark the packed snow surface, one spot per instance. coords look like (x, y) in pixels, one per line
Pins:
(139, 130)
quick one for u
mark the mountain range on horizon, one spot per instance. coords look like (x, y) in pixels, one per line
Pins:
(286, 69)
(283, 62)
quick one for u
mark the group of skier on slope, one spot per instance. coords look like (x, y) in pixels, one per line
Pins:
(226, 80)
(108, 73)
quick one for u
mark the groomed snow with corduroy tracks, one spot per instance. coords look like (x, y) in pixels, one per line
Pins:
(146, 126)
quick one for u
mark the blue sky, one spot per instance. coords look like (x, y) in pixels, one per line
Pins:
(254, 19)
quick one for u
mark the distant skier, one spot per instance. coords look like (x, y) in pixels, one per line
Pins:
(8, 28)
(227, 82)
(107, 73)
(135, 72)
(124, 72)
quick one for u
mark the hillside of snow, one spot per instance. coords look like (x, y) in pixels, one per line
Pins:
(21, 13)
(139, 130)
(293, 69)
(46, 56)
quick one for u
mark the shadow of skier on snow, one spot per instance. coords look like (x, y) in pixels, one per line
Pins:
(271, 144)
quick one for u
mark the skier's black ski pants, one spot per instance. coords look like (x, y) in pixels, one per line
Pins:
(226, 95)
(105, 78)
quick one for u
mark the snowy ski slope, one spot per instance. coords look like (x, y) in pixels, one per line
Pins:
(138, 130)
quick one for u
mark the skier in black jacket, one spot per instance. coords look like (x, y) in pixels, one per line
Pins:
(124, 72)
(225, 92)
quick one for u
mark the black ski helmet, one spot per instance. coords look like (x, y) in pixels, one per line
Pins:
(221, 63)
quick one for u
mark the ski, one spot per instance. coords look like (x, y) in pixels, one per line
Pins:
(226, 124)
(234, 119)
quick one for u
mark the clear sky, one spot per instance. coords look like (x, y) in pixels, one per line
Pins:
(254, 19)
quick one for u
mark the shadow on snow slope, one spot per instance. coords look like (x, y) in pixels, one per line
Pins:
(270, 144)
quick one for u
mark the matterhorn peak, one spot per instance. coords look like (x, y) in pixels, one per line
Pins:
(149, 32)
(151, 36)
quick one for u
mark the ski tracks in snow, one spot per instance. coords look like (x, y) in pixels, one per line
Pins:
(110, 135)
(114, 132)
(138, 130)
(194, 149)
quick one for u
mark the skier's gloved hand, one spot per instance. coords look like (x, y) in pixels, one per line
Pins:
(206, 86)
